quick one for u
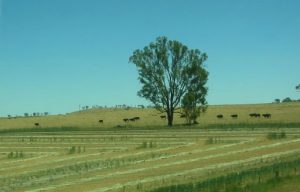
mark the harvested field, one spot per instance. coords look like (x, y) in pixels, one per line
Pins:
(134, 160)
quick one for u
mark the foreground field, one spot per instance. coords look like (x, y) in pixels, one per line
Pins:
(284, 113)
(137, 160)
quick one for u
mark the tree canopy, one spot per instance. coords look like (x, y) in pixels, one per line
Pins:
(287, 99)
(168, 70)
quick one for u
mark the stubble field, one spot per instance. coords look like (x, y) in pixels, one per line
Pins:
(135, 160)
(130, 158)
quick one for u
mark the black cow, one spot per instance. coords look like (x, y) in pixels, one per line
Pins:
(37, 124)
(266, 115)
(163, 117)
(126, 120)
(254, 115)
(132, 119)
(220, 116)
(234, 116)
(100, 121)
(137, 118)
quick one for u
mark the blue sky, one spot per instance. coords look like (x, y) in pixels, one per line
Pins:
(58, 54)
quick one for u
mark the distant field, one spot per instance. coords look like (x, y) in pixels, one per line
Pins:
(284, 113)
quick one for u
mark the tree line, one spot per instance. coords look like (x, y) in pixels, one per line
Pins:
(34, 114)
(288, 99)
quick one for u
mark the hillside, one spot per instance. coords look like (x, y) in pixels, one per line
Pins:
(283, 113)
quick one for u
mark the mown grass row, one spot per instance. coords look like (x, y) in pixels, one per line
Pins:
(231, 126)
(66, 171)
(41, 129)
(48, 175)
(251, 125)
(246, 180)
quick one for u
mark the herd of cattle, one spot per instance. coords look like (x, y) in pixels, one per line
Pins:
(101, 121)
(126, 120)
(220, 116)
(252, 115)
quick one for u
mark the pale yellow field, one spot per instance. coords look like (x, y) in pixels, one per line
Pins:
(133, 160)
(281, 113)
(140, 159)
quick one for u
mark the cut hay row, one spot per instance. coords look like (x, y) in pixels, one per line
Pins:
(86, 158)
(166, 176)
(116, 159)
(176, 134)
(67, 161)
(216, 167)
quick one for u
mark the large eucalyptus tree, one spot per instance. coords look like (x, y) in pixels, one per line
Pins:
(168, 70)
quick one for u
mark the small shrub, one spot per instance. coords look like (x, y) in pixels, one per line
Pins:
(10, 155)
(21, 155)
(16, 154)
(75, 149)
(282, 135)
(144, 144)
(152, 145)
(274, 135)
(214, 140)
(72, 150)
(210, 140)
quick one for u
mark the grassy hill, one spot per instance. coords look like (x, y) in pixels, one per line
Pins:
(284, 113)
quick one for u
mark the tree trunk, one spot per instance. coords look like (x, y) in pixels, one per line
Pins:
(170, 118)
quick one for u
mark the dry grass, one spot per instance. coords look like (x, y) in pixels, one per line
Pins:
(124, 160)
(113, 160)
(281, 113)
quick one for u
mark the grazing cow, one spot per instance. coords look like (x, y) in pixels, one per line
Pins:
(37, 124)
(100, 121)
(137, 118)
(126, 120)
(266, 115)
(163, 117)
(234, 116)
(132, 119)
(182, 116)
(254, 115)
(220, 116)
